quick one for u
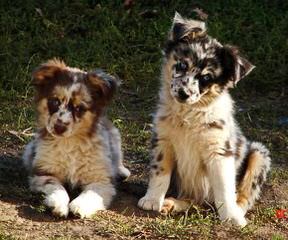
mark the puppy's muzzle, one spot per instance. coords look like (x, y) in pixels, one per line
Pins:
(60, 127)
(182, 95)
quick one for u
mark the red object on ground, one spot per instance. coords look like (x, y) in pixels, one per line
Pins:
(280, 213)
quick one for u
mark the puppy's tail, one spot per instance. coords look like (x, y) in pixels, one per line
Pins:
(257, 165)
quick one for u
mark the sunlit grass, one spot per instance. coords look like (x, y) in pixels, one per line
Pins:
(103, 34)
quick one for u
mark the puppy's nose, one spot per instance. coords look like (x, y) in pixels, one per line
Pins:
(182, 94)
(60, 129)
(60, 122)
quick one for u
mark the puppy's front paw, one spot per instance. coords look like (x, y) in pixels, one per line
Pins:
(240, 221)
(151, 203)
(85, 206)
(58, 201)
(234, 214)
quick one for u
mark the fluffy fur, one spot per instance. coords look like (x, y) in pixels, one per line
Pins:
(75, 143)
(198, 147)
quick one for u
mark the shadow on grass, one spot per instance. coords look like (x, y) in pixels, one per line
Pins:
(14, 190)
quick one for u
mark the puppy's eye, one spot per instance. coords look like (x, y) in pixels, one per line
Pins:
(79, 110)
(181, 66)
(206, 78)
(53, 105)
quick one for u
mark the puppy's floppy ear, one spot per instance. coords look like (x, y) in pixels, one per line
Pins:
(102, 86)
(186, 29)
(47, 72)
(234, 65)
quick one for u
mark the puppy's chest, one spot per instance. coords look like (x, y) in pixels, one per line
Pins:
(189, 141)
(190, 166)
(188, 144)
(187, 136)
(64, 158)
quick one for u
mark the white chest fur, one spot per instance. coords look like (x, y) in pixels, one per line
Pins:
(192, 139)
(73, 160)
(190, 167)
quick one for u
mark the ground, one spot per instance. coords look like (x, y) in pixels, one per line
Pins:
(126, 41)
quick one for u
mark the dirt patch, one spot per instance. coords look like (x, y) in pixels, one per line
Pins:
(22, 214)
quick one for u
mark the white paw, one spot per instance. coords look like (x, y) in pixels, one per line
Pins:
(151, 203)
(58, 201)
(123, 172)
(242, 222)
(235, 214)
(87, 204)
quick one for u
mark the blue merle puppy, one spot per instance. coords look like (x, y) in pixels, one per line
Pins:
(196, 135)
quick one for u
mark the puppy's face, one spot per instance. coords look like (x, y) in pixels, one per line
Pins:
(198, 66)
(68, 109)
(69, 101)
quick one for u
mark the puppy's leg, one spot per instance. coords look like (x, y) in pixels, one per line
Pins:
(256, 166)
(56, 196)
(172, 205)
(28, 155)
(95, 196)
(117, 155)
(160, 175)
(221, 172)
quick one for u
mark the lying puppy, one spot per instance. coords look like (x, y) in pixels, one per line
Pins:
(196, 135)
(75, 143)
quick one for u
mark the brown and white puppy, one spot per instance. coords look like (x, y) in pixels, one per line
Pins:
(75, 143)
(196, 136)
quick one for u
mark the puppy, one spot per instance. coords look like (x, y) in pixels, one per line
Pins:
(196, 136)
(75, 143)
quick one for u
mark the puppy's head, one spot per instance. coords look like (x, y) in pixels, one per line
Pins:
(69, 101)
(197, 68)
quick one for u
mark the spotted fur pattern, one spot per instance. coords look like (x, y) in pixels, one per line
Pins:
(75, 143)
(196, 137)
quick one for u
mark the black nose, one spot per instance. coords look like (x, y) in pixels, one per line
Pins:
(182, 94)
(59, 128)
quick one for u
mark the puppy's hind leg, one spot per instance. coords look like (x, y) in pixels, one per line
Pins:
(173, 205)
(255, 168)
(117, 155)
(28, 155)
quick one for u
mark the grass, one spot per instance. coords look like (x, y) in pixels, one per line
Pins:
(92, 34)
(127, 43)
(6, 237)
(277, 237)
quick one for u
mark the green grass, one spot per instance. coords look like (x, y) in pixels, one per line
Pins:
(182, 227)
(92, 34)
(6, 237)
(278, 237)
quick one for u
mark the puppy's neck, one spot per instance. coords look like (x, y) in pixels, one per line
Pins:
(79, 136)
(220, 108)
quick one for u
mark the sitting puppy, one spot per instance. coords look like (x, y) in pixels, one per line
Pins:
(196, 135)
(75, 143)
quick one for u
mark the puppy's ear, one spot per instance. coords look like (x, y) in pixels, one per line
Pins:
(46, 73)
(186, 29)
(235, 67)
(102, 86)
